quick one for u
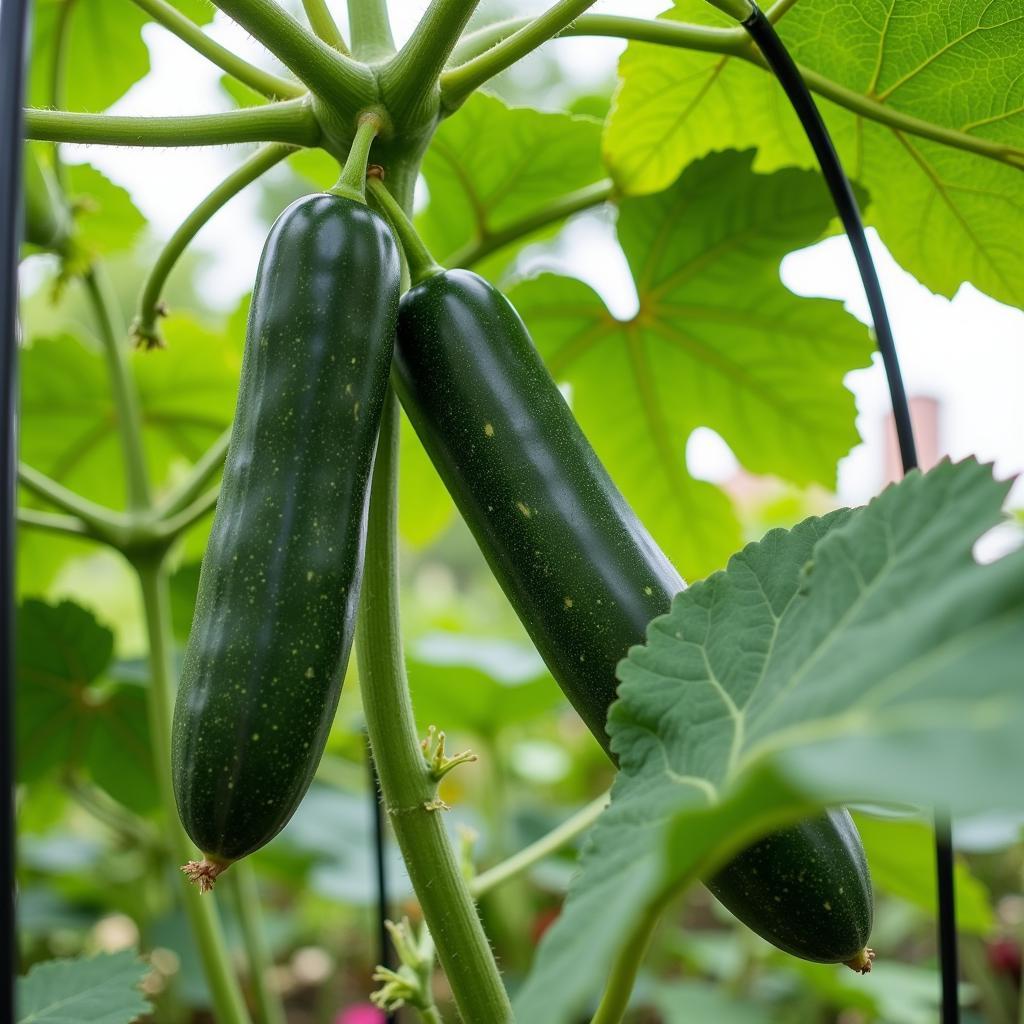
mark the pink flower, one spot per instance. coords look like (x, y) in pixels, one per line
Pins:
(363, 1013)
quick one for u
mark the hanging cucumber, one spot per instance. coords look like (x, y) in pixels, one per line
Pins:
(280, 579)
(581, 571)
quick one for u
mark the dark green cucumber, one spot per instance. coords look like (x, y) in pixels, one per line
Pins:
(280, 579)
(584, 575)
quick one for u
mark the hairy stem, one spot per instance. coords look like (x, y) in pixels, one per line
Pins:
(458, 83)
(126, 399)
(242, 885)
(615, 1000)
(192, 487)
(322, 22)
(536, 852)
(565, 206)
(290, 121)
(728, 42)
(201, 911)
(263, 82)
(370, 29)
(332, 75)
(410, 79)
(408, 788)
(145, 329)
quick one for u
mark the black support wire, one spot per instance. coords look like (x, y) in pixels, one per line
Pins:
(763, 33)
(13, 24)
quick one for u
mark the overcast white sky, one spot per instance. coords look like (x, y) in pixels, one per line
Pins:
(968, 352)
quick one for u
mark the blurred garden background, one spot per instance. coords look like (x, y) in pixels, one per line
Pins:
(92, 873)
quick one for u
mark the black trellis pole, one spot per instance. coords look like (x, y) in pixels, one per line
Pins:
(13, 23)
(763, 33)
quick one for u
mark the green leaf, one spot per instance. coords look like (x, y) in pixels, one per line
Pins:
(901, 853)
(478, 684)
(948, 216)
(107, 221)
(717, 342)
(104, 52)
(68, 716)
(491, 164)
(863, 656)
(69, 430)
(100, 990)
(689, 1001)
(425, 509)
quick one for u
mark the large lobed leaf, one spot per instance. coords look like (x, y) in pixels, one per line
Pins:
(717, 341)
(861, 656)
(68, 716)
(947, 215)
(101, 990)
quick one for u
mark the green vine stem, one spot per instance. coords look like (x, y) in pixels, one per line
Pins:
(290, 121)
(322, 22)
(50, 522)
(615, 1000)
(525, 859)
(126, 399)
(333, 76)
(200, 910)
(263, 82)
(100, 520)
(370, 29)
(409, 81)
(243, 888)
(417, 256)
(408, 787)
(145, 330)
(352, 183)
(192, 486)
(559, 209)
(459, 81)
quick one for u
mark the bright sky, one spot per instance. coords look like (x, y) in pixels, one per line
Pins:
(968, 353)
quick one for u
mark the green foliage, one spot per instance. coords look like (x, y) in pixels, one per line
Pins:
(493, 164)
(478, 684)
(100, 990)
(858, 630)
(108, 221)
(96, 29)
(945, 214)
(901, 853)
(70, 717)
(705, 349)
(69, 420)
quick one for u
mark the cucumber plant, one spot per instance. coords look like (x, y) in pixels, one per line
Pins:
(583, 508)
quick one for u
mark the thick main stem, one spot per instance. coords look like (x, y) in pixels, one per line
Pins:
(290, 121)
(200, 910)
(408, 788)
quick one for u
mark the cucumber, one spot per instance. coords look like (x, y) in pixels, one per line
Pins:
(280, 579)
(584, 575)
